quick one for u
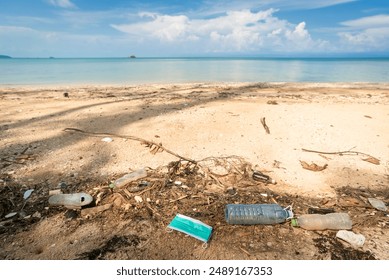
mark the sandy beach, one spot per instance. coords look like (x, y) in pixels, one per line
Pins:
(345, 125)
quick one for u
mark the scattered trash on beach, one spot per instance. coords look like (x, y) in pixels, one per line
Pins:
(127, 220)
(202, 191)
(200, 188)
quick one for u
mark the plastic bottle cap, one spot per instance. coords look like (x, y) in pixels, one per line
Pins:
(294, 223)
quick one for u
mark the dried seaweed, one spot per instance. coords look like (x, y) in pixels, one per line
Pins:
(313, 166)
(369, 158)
(372, 160)
(154, 149)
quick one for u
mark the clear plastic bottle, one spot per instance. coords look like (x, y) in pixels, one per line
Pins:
(133, 176)
(335, 221)
(252, 214)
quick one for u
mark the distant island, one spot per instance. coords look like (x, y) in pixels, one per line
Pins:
(4, 56)
(132, 56)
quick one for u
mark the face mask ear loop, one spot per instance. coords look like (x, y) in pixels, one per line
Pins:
(205, 246)
(168, 230)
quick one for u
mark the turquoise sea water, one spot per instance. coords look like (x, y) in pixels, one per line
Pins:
(39, 71)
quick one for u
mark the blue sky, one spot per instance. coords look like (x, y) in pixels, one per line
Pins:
(117, 28)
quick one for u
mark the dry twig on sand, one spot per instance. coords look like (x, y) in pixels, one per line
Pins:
(265, 125)
(369, 158)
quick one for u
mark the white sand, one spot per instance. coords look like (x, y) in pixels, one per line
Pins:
(197, 121)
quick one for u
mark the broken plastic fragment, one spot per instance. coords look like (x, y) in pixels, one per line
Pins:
(378, 204)
(107, 139)
(133, 176)
(356, 240)
(27, 194)
(10, 215)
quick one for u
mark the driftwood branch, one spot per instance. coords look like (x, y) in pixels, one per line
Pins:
(265, 125)
(369, 158)
(154, 147)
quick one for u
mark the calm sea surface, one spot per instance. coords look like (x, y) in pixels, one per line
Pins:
(37, 71)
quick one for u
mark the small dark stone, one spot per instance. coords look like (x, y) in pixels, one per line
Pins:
(62, 185)
(66, 94)
(71, 214)
(231, 191)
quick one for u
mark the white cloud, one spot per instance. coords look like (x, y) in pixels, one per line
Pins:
(366, 34)
(309, 4)
(14, 29)
(366, 22)
(219, 6)
(299, 33)
(164, 27)
(371, 39)
(232, 32)
(62, 3)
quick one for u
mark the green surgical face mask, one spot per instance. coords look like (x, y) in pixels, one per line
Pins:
(191, 227)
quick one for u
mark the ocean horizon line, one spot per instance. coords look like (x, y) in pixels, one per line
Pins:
(216, 57)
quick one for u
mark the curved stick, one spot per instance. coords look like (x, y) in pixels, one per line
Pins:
(155, 147)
